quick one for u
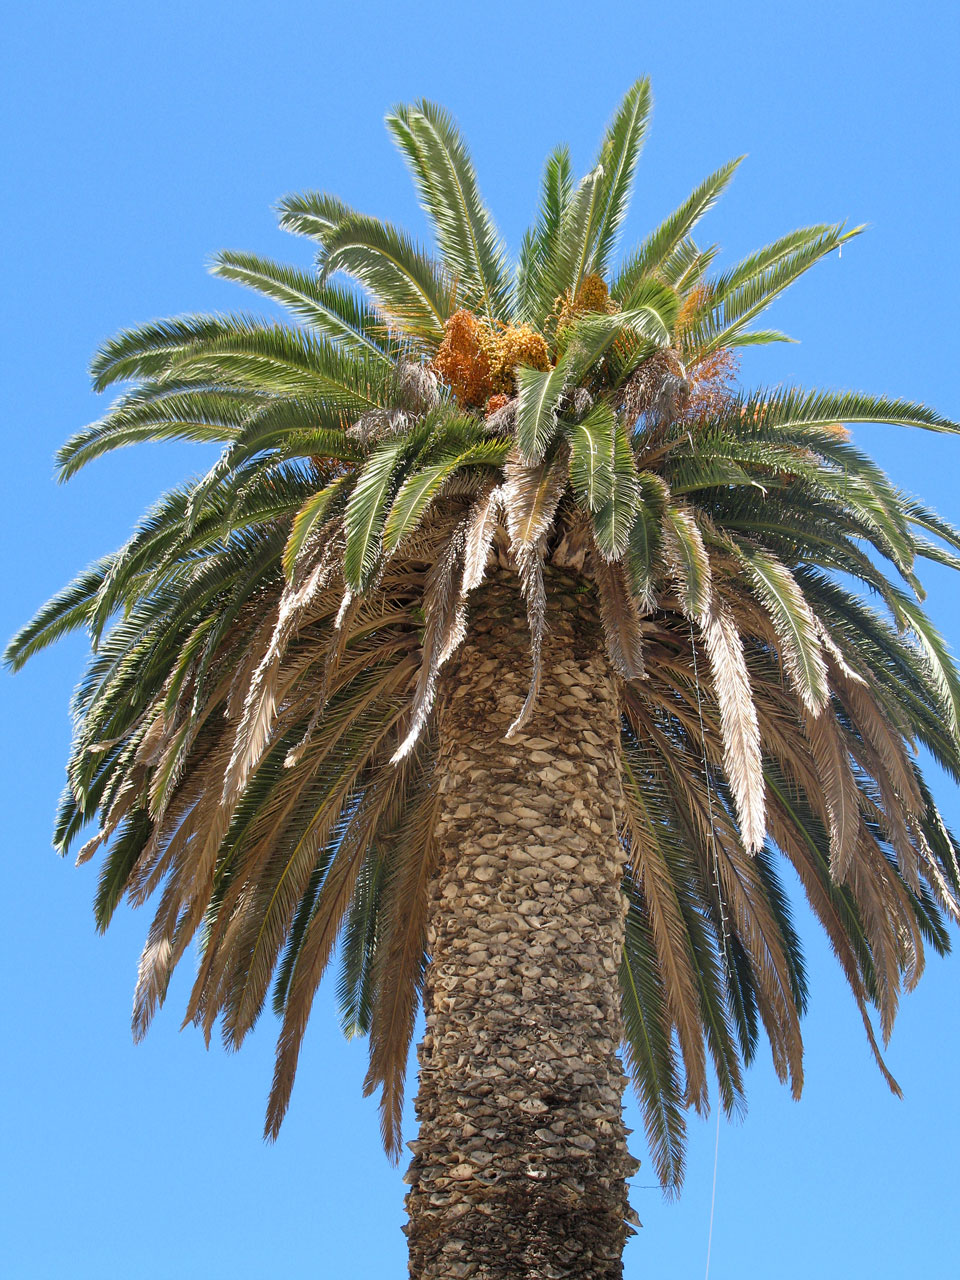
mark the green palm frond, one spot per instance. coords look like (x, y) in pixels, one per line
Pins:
(312, 213)
(335, 313)
(618, 157)
(420, 489)
(364, 516)
(152, 349)
(538, 248)
(591, 456)
(733, 301)
(70, 609)
(572, 255)
(212, 416)
(447, 185)
(538, 399)
(661, 246)
(615, 517)
(788, 413)
(408, 286)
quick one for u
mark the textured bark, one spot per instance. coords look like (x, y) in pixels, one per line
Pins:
(520, 1165)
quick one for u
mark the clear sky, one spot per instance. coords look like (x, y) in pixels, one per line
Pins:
(139, 138)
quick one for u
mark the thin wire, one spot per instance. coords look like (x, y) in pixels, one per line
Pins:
(713, 1196)
(723, 919)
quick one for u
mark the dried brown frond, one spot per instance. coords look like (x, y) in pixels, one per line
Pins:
(576, 544)
(658, 389)
(321, 935)
(281, 853)
(670, 937)
(500, 421)
(417, 385)
(621, 617)
(256, 724)
(442, 631)
(281, 844)
(481, 526)
(531, 495)
(400, 961)
(738, 718)
(792, 839)
(712, 381)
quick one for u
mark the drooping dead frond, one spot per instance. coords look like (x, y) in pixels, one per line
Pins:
(400, 960)
(738, 717)
(258, 712)
(501, 415)
(750, 915)
(666, 923)
(531, 495)
(657, 390)
(321, 935)
(441, 625)
(417, 385)
(576, 546)
(687, 562)
(481, 526)
(621, 618)
(944, 893)
(832, 760)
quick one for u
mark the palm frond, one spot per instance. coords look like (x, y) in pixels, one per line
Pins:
(404, 283)
(539, 242)
(335, 313)
(614, 519)
(448, 191)
(618, 157)
(795, 625)
(660, 246)
(312, 213)
(367, 509)
(738, 717)
(591, 456)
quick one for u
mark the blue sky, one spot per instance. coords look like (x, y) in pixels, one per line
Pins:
(142, 137)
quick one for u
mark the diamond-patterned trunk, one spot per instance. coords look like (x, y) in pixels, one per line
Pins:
(521, 1160)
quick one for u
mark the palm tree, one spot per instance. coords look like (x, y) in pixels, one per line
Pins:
(506, 653)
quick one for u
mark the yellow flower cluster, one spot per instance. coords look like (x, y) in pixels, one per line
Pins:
(477, 362)
(513, 345)
(693, 303)
(592, 295)
(463, 358)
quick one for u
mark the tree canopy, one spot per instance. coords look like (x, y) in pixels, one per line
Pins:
(253, 731)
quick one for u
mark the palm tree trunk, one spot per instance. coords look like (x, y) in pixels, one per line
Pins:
(520, 1165)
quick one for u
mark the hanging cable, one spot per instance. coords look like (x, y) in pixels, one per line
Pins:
(713, 1196)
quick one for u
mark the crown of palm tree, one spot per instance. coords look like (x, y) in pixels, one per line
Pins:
(254, 726)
